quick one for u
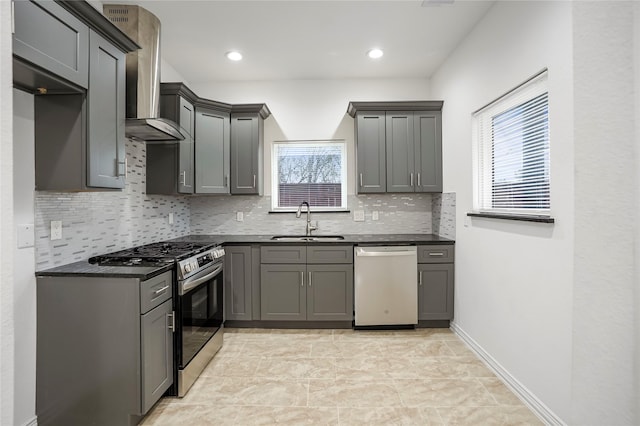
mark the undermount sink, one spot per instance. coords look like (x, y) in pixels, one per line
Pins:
(307, 238)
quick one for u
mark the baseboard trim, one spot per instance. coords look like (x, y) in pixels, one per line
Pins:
(537, 406)
(32, 422)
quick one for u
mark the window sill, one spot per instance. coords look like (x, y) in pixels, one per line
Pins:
(314, 211)
(513, 216)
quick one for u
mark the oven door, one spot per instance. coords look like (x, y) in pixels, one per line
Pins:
(200, 312)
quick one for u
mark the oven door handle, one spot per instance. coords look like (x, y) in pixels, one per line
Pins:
(193, 282)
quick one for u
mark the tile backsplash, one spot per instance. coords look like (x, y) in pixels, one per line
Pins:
(100, 222)
(95, 223)
(397, 214)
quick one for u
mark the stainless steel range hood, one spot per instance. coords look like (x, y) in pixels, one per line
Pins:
(143, 75)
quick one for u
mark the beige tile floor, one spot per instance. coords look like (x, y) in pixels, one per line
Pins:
(344, 377)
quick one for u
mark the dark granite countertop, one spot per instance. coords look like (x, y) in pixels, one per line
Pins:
(356, 239)
(86, 269)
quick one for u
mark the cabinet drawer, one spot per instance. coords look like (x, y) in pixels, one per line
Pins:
(435, 254)
(155, 291)
(283, 254)
(52, 38)
(329, 254)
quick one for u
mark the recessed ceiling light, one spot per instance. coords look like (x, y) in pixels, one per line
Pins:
(234, 55)
(375, 53)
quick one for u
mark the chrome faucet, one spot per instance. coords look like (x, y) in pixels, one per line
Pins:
(310, 227)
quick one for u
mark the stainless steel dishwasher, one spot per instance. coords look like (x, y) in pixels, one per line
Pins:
(386, 287)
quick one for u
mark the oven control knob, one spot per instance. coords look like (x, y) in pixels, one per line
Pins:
(187, 267)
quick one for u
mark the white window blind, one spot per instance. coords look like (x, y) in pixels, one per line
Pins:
(309, 171)
(511, 149)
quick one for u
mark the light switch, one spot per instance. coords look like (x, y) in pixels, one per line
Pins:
(56, 230)
(239, 216)
(170, 218)
(375, 215)
(25, 236)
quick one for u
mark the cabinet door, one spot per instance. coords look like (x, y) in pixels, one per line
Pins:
(435, 291)
(156, 354)
(370, 139)
(330, 292)
(400, 152)
(245, 170)
(52, 38)
(106, 166)
(283, 293)
(237, 283)
(212, 152)
(186, 148)
(428, 151)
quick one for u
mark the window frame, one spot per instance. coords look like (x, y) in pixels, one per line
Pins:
(483, 167)
(341, 143)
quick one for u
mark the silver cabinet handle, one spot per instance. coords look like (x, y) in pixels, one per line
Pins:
(301, 279)
(360, 180)
(172, 321)
(226, 180)
(419, 184)
(420, 278)
(436, 253)
(161, 290)
(309, 279)
(411, 179)
(254, 181)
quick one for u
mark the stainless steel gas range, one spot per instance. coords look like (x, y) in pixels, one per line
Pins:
(197, 300)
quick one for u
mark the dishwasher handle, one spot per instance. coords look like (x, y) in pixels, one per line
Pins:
(385, 251)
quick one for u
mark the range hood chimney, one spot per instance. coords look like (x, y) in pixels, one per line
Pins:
(143, 75)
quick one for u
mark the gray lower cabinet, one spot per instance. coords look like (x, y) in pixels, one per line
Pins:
(47, 35)
(313, 283)
(212, 152)
(238, 274)
(435, 282)
(104, 348)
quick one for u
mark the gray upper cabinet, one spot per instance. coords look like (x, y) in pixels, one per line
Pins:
(370, 134)
(212, 151)
(400, 152)
(106, 103)
(73, 59)
(399, 146)
(52, 38)
(428, 150)
(170, 166)
(247, 130)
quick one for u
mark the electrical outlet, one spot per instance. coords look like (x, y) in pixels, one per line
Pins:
(170, 218)
(358, 216)
(56, 230)
(239, 216)
(375, 215)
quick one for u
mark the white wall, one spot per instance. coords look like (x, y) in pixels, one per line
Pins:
(311, 109)
(6, 220)
(24, 286)
(604, 337)
(514, 280)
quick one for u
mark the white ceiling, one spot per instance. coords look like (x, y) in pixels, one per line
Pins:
(309, 39)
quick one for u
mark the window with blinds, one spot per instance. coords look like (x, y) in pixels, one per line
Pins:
(309, 171)
(511, 149)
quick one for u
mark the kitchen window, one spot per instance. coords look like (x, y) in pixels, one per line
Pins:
(511, 152)
(312, 171)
